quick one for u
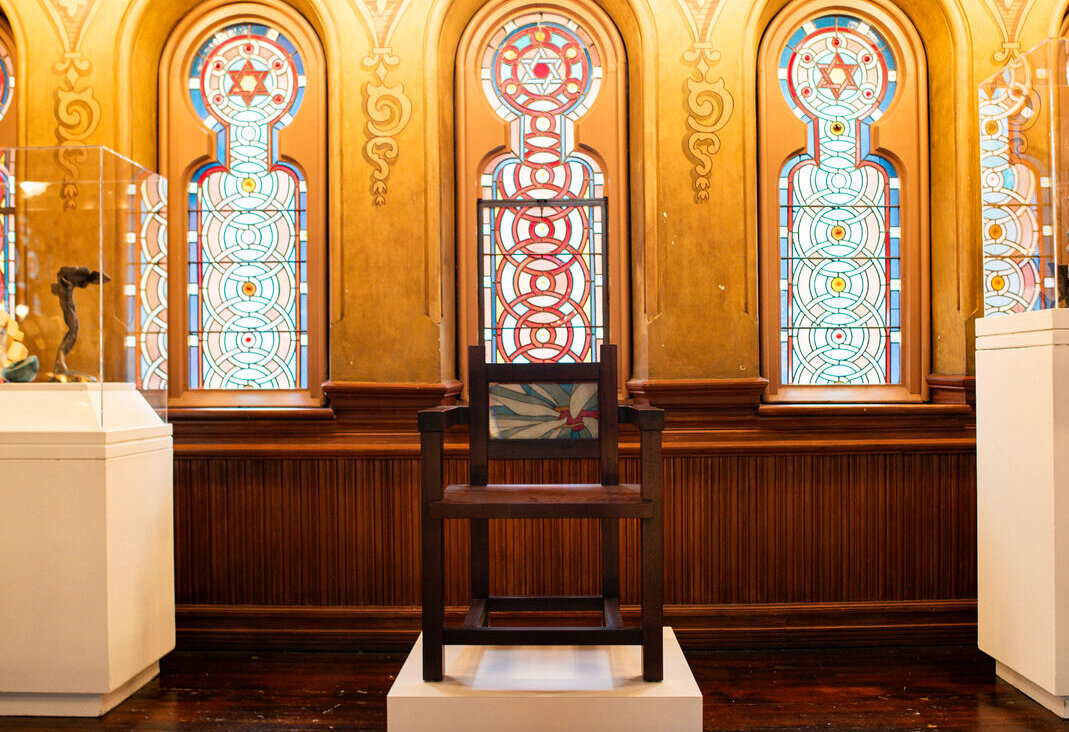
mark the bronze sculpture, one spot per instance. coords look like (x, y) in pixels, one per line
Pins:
(67, 279)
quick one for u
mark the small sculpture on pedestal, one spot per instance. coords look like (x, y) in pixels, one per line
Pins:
(66, 280)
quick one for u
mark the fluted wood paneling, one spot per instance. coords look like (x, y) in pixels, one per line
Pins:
(740, 529)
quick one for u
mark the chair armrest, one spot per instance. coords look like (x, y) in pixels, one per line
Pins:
(643, 416)
(439, 419)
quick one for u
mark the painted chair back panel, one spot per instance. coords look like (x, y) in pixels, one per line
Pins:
(543, 411)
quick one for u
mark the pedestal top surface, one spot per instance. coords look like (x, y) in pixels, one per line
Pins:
(603, 671)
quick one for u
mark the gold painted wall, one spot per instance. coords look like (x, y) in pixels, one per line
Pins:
(88, 74)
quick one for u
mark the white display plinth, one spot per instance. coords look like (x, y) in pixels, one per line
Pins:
(1022, 445)
(86, 547)
(533, 689)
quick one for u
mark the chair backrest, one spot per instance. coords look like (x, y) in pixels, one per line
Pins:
(542, 410)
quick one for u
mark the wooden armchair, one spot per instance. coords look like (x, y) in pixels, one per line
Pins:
(545, 411)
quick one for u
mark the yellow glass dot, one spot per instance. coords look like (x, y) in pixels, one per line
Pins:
(998, 282)
(249, 289)
(540, 36)
(837, 128)
(991, 127)
(994, 231)
(838, 284)
(572, 87)
(570, 52)
(248, 185)
(510, 54)
(837, 233)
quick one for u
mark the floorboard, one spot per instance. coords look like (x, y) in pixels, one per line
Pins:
(950, 688)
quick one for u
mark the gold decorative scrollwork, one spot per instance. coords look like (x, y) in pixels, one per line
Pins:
(386, 105)
(76, 109)
(708, 102)
(709, 107)
(388, 110)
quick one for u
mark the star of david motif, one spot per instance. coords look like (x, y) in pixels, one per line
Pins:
(837, 82)
(247, 83)
(541, 71)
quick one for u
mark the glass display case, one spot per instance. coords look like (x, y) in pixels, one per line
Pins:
(83, 271)
(1024, 176)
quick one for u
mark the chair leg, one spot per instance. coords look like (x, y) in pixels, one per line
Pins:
(479, 533)
(433, 597)
(652, 599)
(610, 558)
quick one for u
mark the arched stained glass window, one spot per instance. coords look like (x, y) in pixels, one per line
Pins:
(838, 207)
(147, 302)
(8, 263)
(543, 269)
(253, 234)
(542, 182)
(247, 279)
(1018, 271)
(839, 241)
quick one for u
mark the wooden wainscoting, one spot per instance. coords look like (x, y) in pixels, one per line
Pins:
(784, 525)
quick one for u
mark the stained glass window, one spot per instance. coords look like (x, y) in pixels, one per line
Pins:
(840, 281)
(1015, 269)
(247, 282)
(7, 188)
(147, 299)
(543, 269)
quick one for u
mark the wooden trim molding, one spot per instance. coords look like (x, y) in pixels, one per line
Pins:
(368, 397)
(695, 399)
(952, 389)
(699, 627)
(247, 414)
(703, 417)
(361, 418)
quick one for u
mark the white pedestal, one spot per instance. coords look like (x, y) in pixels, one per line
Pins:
(86, 547)
(535, 689)
(1022, 403)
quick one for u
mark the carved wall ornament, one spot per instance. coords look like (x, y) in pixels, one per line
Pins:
(387, 106)
(77, 110)
(708, 102)
(1010, 15)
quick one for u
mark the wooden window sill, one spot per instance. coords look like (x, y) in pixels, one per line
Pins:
(860, 409)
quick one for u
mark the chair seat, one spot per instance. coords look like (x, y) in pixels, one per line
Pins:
(572, 500)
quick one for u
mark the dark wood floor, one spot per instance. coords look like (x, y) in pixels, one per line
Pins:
(859, 689)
